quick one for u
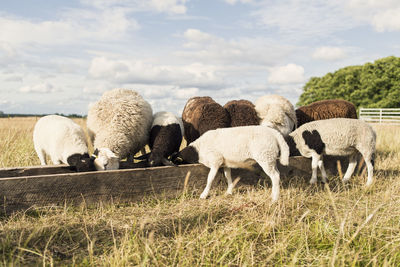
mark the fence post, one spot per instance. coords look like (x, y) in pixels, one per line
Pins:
(380, 115)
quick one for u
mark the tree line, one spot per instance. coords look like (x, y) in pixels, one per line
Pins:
(373, 85)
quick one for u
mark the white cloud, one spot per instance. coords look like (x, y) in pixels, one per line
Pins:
(233, 2)
(194, 35)
(13, 78)
(388, 20)
(212, 49)
(161, 6)
(289, 74)
(74, 27)
(38, 88)
(304, 18)
(381, 14)
(142, 72)
(168, 6)
(186, 93)
(329, 53)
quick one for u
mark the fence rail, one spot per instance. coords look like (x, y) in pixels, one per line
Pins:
(380, 115)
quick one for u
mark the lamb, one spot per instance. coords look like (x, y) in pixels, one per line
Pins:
(336, 137)
(238, 147)
(277, 112)
(165, 138)
(201, 114)
(325, 109)
(119, 125)
(63, 140)
(242, 113)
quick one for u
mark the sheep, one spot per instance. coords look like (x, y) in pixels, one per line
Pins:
(242, 113)
(63, 140)
(119, 125)
(201, 114)
(277, 112)
(238, 147)
(325, 109)
(336, 137)
(165, 138)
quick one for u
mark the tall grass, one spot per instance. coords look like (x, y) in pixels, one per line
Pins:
(316, 225)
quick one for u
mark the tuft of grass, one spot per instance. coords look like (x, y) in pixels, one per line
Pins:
(315, 225)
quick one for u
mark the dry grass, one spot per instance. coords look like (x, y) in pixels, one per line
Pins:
(334, 225)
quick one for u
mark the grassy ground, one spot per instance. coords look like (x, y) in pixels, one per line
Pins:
(310, 225)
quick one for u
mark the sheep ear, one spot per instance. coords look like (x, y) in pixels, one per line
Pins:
(176, 158)
(74, 159)
(167, 162)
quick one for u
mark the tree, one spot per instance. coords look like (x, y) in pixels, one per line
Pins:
(370, 85)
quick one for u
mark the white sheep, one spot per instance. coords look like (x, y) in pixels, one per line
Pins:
(238, 147)
(165, 138)
(276, 112)
(63, 140)
(119, 125)
(336, 137)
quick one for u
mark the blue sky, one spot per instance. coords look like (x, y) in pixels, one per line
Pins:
(60, 56)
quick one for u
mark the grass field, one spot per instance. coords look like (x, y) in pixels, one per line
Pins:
(316, 225)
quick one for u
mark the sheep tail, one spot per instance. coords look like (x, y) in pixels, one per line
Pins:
(284, 148)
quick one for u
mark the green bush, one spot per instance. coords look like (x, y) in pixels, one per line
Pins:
(370, 85)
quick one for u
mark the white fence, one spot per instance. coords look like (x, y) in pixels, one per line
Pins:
(380, 115)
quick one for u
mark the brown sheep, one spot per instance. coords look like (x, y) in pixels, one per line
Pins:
(325, 109)
(202, 113)
(242, 113)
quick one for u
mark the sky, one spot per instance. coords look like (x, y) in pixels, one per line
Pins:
(59, 56)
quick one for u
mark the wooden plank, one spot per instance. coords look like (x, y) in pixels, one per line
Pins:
(125, 185)
(52, 169)
(34, 170)
(92, 187)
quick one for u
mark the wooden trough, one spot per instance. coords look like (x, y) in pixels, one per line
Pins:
(25, 187)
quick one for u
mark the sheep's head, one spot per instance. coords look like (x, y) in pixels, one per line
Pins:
(81, 162)
(187, 155)
(105, 159)
(283, 124)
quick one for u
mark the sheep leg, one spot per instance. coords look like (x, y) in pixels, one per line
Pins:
(273, 174)
(227, 172)
(370, 173)
(56, 161)
(314, 166)
(42, 156)
(210, 179)
(350, 168)
(323, 172)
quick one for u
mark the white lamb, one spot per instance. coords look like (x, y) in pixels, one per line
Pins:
(238, 147)
(336, 137)
(119, 125)
(63, 140)
(276, 112)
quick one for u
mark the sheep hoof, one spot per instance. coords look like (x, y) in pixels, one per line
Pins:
(203, 196)
(368, 184)
(274, 200)
(313, 181)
